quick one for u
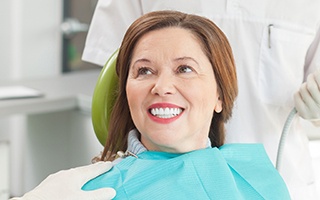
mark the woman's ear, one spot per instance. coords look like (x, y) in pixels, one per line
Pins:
(218, 106)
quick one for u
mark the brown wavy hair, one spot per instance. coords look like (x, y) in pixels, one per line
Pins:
(215, 46)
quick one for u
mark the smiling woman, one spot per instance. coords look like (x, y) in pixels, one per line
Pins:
(189, 57)
(177, 79)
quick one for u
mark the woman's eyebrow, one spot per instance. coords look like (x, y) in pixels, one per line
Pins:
(142, 60)
(186, 58)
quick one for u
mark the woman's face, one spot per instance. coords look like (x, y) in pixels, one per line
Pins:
(172, 91)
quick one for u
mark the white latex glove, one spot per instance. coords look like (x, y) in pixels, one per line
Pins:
(66, 185)
(307, 99)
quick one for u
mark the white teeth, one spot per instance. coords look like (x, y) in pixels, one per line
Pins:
(165, 112)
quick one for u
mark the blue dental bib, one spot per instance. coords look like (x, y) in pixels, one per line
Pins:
(234, 171)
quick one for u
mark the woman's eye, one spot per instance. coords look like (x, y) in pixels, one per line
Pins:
(144, 71)
(184, 69)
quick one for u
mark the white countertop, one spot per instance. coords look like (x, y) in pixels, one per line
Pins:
(63, 92)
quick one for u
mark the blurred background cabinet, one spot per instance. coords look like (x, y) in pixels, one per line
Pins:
(4, 170)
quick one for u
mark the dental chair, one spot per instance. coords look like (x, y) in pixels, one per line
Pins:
(103, 98)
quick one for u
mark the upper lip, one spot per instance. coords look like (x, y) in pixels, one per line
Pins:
(164, 105)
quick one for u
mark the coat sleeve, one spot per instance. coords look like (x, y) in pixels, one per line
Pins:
(110, 20)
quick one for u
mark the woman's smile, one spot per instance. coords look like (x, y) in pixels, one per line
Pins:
(164, 112)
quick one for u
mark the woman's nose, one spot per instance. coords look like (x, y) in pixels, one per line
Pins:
(164, 85)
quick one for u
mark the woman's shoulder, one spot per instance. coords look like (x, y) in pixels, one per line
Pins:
(244, 156)
(250, 163)
(240, 151)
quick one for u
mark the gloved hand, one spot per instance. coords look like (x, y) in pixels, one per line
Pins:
(66, 185)
(307, 99)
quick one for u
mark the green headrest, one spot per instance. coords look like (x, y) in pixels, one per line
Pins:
(103, 98)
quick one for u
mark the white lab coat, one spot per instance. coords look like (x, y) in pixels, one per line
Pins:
(276, 44)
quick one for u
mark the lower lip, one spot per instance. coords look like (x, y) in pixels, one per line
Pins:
(164, 120)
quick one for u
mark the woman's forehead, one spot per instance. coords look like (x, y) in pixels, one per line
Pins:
(175, 41)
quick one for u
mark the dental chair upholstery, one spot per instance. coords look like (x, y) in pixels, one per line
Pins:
(103, 98)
